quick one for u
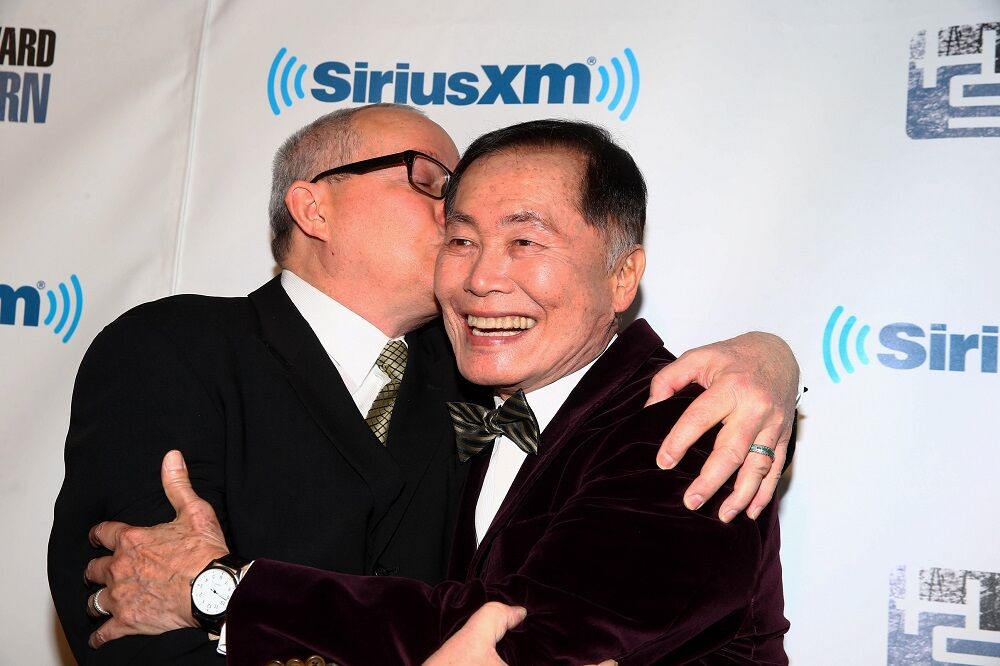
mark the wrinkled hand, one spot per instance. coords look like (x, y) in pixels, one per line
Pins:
(751, 382)
(148, 577)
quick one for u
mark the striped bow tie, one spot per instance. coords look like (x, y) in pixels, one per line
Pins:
(477, 427)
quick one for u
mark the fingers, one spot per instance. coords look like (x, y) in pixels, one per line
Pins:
(765, 493)
(107, 534)
(707, 410)
(475, 642)
(176, 484)
(97, 608)
(757, 470)
(731, 447)
(496, 619)
(97, 571)
(109, 631)
(513, 616)
(672, 379)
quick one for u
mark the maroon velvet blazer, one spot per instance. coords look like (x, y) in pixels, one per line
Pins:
(592, 538)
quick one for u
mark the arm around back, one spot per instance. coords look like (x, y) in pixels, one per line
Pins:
(137, 395)
(599, 549)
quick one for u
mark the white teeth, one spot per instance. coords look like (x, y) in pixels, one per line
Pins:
(503, 326)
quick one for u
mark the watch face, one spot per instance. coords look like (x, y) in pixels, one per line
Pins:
(211, 591)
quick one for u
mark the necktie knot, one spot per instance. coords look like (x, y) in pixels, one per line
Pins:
(477, 427)
(392, 359)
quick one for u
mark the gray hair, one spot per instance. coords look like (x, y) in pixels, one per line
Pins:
(327, 142)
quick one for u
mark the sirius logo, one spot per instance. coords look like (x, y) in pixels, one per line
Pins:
(941, 617)
(907, 346)
(63, 312)
(954, 87)
(25, 95)
(360, 83)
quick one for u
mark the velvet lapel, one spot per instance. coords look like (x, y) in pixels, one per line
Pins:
(322, 392)
(463, 545)
(621, 360)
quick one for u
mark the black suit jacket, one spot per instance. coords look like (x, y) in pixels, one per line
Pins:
(591, 538)
(272, 439)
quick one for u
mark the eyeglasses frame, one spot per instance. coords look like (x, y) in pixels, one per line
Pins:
(406, 157)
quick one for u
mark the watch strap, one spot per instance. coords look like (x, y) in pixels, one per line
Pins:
(233, 564)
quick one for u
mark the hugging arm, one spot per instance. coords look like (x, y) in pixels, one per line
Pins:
(135, 398)
(751, 384)
(680, 595)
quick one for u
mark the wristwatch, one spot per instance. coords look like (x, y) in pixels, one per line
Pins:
(212, 589)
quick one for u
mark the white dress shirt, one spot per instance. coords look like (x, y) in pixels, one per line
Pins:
(506, 458)
(352, 342)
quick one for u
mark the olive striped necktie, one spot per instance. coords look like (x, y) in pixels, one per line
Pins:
(391, 361)
(477, 427)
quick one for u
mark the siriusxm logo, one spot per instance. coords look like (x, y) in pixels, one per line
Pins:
(334, 81)
(954, 87)
(24, 95)
(907, 346)
(63, 312)
(941, 617)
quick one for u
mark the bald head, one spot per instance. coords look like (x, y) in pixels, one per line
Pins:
(330, 140)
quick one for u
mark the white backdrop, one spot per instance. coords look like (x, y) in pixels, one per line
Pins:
(801, 157)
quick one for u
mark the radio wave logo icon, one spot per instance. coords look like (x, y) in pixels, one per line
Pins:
(283, 86)
(843, 344)
(621, 82)
(65, 308)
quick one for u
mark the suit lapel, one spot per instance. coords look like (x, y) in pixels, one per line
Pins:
(420, 427)
(604, 379)
(463, 545)
(322, 392)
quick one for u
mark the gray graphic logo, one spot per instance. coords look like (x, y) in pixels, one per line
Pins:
(954, 88)
(939, 617)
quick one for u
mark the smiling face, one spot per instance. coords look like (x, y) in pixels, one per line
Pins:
(522, 279)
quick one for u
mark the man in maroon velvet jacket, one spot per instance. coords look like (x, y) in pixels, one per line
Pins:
(542, 256)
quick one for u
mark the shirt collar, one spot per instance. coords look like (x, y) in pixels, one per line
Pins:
(546, 401)
(351, 341)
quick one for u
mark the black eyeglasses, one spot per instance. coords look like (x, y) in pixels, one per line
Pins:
(426, 174)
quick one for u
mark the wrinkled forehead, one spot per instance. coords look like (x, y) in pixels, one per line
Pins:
(524, 171)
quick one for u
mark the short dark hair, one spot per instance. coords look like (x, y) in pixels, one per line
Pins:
(612, 189)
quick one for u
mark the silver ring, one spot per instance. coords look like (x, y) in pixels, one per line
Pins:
(764, 450)
(95, 604)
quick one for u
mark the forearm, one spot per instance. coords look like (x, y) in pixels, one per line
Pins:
(133, 400)
(621, 568)
(281, 610)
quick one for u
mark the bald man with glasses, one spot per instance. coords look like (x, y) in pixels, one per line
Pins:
(312, 413)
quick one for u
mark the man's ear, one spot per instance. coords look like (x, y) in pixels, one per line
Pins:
(626, 276)
(306, 202)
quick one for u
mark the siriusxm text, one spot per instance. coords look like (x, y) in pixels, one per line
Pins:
(940, 349)
(27, 296)
(506, 84)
